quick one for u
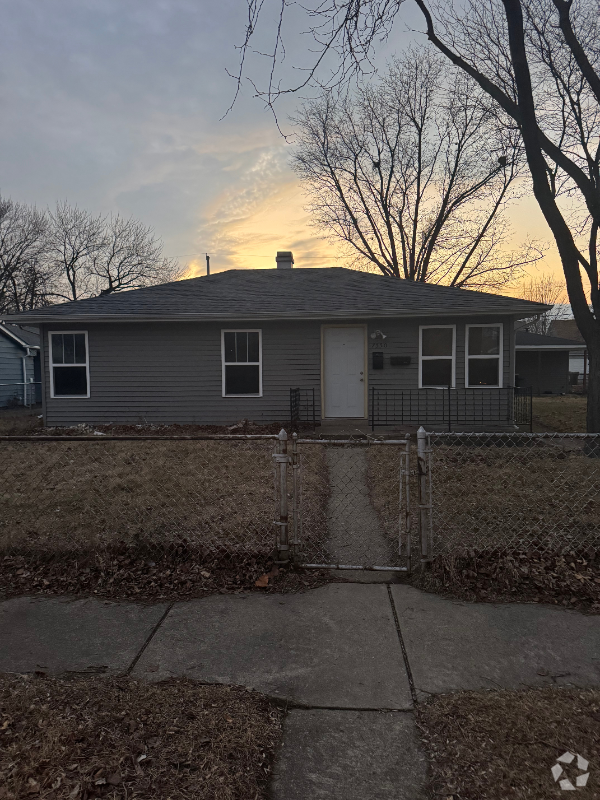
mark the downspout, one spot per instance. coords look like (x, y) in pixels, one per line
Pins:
(24, 363)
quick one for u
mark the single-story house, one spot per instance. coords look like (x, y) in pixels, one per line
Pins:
(542, 362)
(238, 344)
(20, 371)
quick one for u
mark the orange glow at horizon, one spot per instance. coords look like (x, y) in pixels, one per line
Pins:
(246, 234)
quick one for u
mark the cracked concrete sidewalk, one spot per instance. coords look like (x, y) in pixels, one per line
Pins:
(349, 660)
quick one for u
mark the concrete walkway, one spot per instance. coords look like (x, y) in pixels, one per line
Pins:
(355, 535)
(349, 660)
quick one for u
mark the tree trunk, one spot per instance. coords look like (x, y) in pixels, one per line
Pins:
(593, 386)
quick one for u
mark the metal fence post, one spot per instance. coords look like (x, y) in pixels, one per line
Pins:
(281, 460)
(404, 521)
(295, 498)
(424, 498)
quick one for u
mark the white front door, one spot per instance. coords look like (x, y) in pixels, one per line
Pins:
(343, 371)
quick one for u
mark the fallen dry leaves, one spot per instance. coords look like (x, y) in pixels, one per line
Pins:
(569, 579)
(81, 739)
(131, 574)
(500, 745)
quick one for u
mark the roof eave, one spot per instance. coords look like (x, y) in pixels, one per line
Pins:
(17, 340)
(519, 313)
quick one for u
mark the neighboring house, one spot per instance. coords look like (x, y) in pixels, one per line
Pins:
(578, 359)
(542, 362)
(216, 349)
(19, 366)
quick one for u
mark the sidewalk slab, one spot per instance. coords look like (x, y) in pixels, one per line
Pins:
(332, 646)
(452, 645)
(349, 755)
(91, 636)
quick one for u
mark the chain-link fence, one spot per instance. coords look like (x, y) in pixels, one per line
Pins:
(338, 503)
(73, 494)
(510, 493)
(23, 393)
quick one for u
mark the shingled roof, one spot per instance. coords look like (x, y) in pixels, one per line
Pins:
(327, 293)
(524, 340)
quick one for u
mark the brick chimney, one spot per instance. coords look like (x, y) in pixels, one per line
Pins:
(284, 259)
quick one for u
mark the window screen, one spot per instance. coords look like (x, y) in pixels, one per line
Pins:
(68, 359)
(437, 357)
(484, 347)
(241, 363)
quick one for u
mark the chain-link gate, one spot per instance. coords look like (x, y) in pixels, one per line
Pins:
(344, 504)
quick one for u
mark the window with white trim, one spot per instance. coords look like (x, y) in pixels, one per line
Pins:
(242, 363)
(69, 366)
(484, 355)
(436, 351)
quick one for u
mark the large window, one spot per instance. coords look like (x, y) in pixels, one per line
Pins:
(69, 367)
(242, 363)
(436, 362)
(484, 355)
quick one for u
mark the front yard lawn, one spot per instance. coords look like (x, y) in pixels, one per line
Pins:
(560, 414)
(497, 745)
(81, 739)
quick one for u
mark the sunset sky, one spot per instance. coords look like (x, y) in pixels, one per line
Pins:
(116, 106)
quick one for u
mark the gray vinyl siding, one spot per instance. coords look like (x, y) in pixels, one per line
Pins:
(171, 372)
(11, 371)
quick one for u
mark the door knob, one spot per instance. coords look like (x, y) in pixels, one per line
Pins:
(362, 380)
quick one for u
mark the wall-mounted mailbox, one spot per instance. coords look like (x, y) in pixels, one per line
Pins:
(377, 360)
(399, 361)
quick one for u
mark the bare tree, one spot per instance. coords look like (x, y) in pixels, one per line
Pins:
(539, 61)
(75, 239)
(130, 257)
(413, 175)
(548, 290)
(92, 255)
(23, 281)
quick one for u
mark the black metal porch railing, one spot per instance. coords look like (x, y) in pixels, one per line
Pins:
(451, 408)
(302, 407)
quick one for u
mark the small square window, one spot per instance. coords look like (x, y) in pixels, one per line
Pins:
(483, 372)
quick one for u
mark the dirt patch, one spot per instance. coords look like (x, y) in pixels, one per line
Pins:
(561, 414)
(568, 579)
(82, 738)
(498, 745)
(132, 575)
(20, 421)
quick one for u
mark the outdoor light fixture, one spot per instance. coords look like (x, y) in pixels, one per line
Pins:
(378, 335)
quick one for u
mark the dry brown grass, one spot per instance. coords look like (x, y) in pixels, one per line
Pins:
(98, 738)
(500, 498)
(560, 414)
(208, 496)
(500, 745)
(544, 497)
